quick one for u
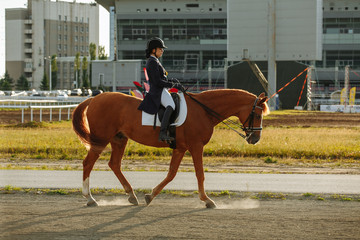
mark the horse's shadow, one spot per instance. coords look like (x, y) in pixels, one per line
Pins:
(117, 225)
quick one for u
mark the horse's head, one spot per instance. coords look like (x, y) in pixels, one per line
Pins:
(252, 122)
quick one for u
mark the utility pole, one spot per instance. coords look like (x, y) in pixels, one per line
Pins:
(308, 96)
(346, 85)
(115, 53)
(272, 52)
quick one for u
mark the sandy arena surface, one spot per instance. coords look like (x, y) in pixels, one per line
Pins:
(30, 216)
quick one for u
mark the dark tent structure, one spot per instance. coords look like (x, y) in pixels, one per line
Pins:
(240, 76)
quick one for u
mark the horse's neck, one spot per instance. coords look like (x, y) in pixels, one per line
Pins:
(226, 102)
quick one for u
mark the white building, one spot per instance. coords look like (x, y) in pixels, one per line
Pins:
(47, 28)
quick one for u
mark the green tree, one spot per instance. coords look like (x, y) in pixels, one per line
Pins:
(77, 69)
(101, 53)
(85, 79)
(44, 83)
(54, 70)
(92, 50)
(22, 83)
(6, 82)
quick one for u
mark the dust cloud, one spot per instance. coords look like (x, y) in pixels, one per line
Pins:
(114, 202)
(240, 204)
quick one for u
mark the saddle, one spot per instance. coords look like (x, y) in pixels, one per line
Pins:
(172, 128)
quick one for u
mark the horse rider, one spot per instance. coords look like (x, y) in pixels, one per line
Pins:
(159, 84)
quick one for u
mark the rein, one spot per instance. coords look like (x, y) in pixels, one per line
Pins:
(219, 117)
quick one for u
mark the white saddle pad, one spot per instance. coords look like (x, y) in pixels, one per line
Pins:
(148, 119)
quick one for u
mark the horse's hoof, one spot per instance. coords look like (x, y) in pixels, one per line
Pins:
(148, 199)
(133, 200)
(210, 204)
(92, 203)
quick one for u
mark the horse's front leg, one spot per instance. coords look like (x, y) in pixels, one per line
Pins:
(174, 166)
(197, 156)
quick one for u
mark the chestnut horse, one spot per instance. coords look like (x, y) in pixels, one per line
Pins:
(113, 118)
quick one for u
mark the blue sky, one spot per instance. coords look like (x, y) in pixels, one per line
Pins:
(103, 31)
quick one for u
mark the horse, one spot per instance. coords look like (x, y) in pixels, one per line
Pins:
(113, 118)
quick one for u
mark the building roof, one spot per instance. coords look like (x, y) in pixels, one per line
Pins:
(106, 3)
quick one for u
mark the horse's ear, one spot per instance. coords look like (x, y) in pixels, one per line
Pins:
(261, 95)
(262, 98)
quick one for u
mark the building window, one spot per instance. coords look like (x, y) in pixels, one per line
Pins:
(59, 47)
(76, 48)
(82, 29)
(179, 31)
(65, 37)
(76, 28)
(59, 37)
(65, 18)
(59, 17)
(65, 27)
(76, 38)
(81, 39)
(139, 31)
(76, 19)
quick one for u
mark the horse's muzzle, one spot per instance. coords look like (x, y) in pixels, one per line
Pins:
(253, 137)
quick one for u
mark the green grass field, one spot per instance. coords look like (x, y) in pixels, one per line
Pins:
(57, 141)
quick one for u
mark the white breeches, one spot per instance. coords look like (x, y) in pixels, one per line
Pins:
(166, 99)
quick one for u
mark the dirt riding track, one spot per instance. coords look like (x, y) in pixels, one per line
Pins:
(29, 216)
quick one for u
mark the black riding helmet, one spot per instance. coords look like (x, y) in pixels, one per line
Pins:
(154, 43)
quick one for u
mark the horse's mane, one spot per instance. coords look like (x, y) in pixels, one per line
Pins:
(218, 93)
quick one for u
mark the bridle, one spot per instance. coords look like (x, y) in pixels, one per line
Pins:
(249, 130)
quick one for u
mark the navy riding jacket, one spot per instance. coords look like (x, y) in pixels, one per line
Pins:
(158, 81)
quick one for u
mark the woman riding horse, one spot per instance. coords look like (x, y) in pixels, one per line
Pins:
(158, 93)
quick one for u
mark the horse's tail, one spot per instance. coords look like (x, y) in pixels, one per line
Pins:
(80, 123)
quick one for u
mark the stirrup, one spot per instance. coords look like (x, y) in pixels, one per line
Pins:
(165, 138)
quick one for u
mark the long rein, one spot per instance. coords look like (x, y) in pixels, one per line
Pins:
(220, 117)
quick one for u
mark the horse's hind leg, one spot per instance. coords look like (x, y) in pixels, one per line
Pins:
(118, 148)
(88, 165)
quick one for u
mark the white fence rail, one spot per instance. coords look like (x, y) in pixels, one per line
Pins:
(25, 105)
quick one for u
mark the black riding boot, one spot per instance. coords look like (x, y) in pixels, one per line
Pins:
(163, 136)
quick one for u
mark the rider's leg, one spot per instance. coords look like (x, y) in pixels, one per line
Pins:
(168, 103)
